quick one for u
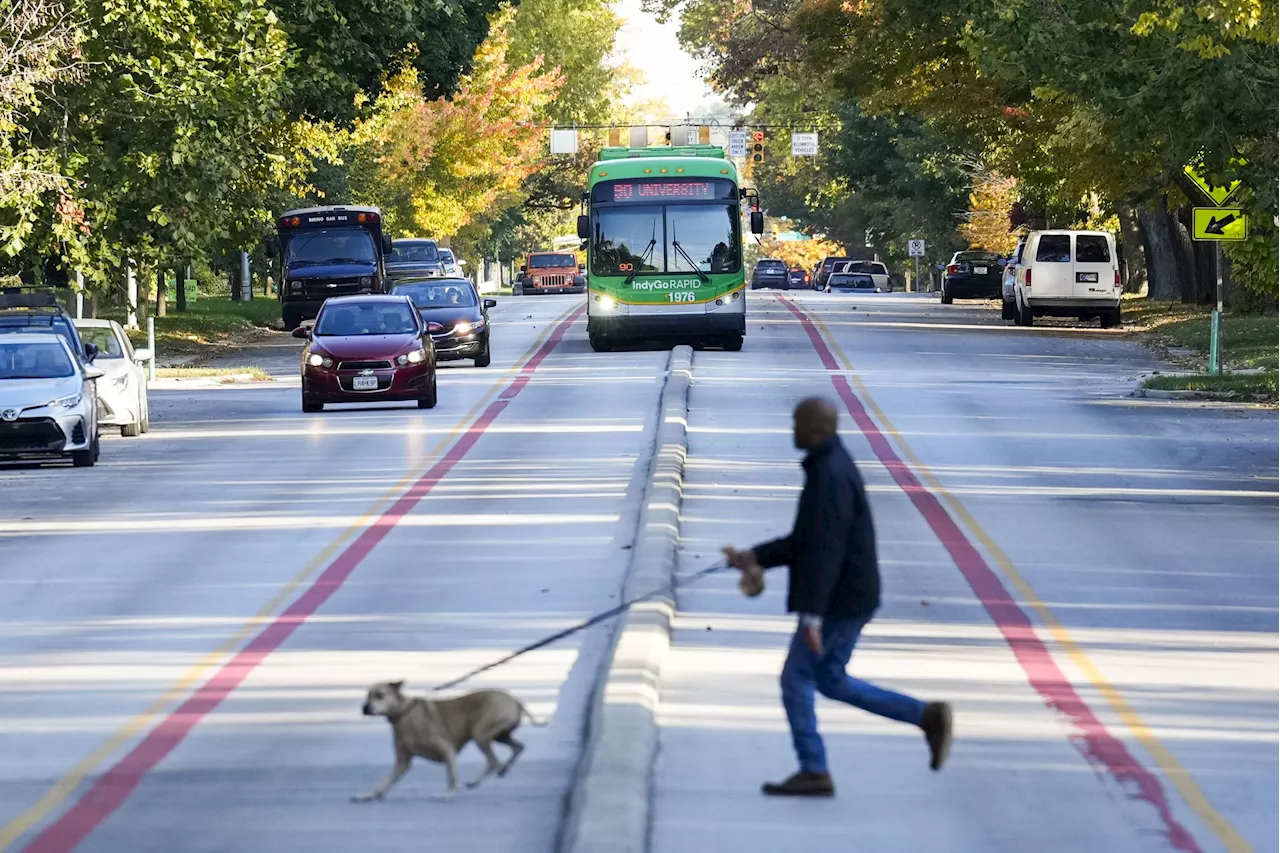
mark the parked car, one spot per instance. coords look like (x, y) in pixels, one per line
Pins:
(972, 274)
(463, 317)
(48, 399)
(823, 269)
(368, 349)
(38, 312)
(122, 391)
(1008, 298)
(414, 257)
(798, 278)
(851, 282)
(1068, 274)
(770, 272)
(879, 272)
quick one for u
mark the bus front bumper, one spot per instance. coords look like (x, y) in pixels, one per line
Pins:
(653, 322)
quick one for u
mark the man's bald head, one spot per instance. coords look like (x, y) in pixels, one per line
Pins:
(815, 422)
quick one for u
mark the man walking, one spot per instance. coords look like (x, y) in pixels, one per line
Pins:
(835, 589)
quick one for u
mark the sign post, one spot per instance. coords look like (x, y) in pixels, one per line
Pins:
(915, 248)
(1218, 225)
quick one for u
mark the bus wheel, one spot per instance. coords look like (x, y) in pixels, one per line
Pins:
(600, 343)
(733, 343)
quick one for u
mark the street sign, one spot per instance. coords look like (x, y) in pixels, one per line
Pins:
(915, 248)
(564, 142)
(1220, 224)
(737, 143)
(1217, 195)
(804, 145)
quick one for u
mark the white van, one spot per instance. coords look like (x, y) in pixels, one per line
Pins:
(1068, 274)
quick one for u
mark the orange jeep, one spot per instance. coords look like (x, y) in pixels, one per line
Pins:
(551, 272)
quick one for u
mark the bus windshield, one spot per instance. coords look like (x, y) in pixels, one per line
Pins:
(338, 246)
(666, 239)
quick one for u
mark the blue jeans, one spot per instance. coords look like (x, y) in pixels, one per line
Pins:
(804, 671)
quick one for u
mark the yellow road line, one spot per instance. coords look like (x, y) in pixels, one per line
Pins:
(1170, 766)
(65, 786)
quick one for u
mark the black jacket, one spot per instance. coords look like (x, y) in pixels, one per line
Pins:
(832, 549)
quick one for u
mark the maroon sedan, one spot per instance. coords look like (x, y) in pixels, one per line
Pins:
(368, 349)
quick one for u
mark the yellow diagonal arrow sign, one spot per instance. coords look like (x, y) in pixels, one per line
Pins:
(1217, 195)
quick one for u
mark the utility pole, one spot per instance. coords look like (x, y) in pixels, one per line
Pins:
(1215, 322)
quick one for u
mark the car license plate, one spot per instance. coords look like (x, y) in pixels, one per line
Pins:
(1087, 277)
(364, 383)
(980, 270)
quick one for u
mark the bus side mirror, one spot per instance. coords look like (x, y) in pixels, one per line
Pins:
(271, 246)
(584, 227)
(386, 244)
(757, 222)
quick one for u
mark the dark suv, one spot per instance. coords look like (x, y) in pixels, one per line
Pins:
(37, 312)
(770, 272)
(823, 270)
(972, 274)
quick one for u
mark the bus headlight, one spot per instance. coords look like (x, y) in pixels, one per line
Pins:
(607, 303)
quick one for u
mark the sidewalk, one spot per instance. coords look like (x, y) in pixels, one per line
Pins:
(1015, 782)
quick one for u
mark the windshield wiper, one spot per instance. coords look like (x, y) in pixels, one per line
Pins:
(648, 253)
(675, 244)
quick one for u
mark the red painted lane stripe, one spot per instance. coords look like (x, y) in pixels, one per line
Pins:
(110, 790)
(1099, 747)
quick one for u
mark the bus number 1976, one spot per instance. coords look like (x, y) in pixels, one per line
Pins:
(681, 297)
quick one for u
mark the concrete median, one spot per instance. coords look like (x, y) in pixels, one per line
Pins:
(609, 805)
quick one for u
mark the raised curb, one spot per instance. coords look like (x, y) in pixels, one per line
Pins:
(608, 810)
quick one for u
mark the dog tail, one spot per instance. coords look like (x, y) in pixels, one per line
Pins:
(533, 721)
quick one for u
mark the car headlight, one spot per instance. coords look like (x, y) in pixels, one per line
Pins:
(295, 286)
(414, 357)
(366, 281)
(68, 402)
(462, 328)
(318, 360)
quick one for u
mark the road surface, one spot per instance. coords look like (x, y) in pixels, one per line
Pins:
(187, 629)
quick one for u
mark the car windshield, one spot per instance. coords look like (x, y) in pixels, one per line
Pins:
(770, 265)
(851, 280)
(23, 322)
(34, 361)
(438, 294)
(414, 252)
(656, 239)
(866, 266)
(337, 246)
(446, 256)
(104, 337)
(977, 256)
(366, 318)
(552, 261)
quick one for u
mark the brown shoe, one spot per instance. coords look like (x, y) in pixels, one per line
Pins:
(802, 784)
(936, 723)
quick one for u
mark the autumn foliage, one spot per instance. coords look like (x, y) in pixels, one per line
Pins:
(435, 165)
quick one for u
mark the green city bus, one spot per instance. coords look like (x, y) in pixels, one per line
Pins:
(663, 227)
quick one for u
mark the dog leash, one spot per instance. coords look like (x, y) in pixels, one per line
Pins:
(594, 620)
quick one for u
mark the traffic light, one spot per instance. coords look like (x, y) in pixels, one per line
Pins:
(757, 146)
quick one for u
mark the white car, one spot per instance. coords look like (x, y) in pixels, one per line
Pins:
(879, 272)
(122, 392)
(1068, 274)
(452, 266)
(48, 403)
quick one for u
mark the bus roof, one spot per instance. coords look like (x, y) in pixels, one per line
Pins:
(690, 161)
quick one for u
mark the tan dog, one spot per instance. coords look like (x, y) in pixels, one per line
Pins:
(436, 731)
